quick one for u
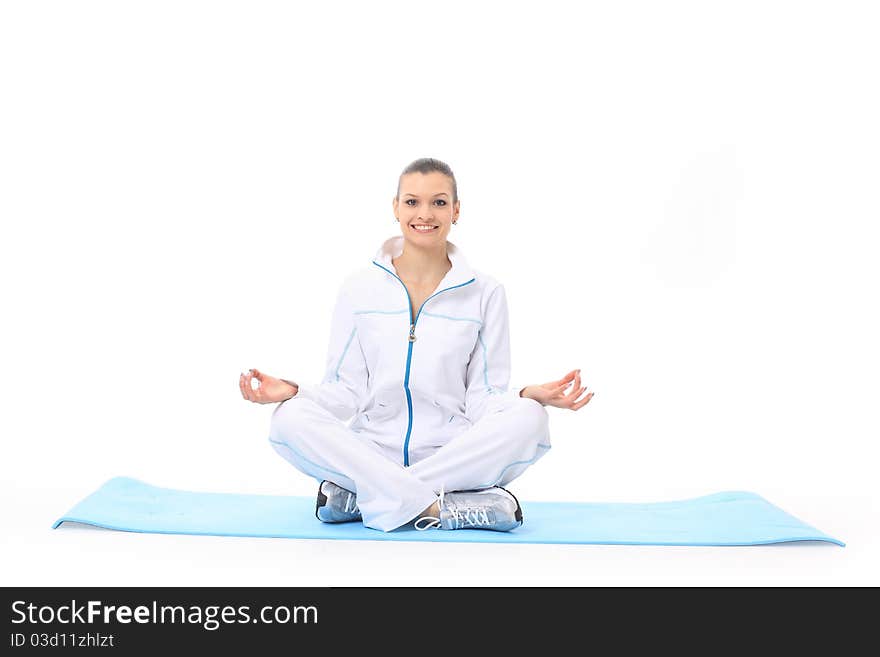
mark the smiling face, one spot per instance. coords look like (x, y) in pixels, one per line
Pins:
(426, 200)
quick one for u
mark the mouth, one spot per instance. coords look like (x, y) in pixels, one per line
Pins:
(423, 228)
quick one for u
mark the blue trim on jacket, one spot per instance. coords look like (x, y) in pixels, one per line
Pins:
(409, 352)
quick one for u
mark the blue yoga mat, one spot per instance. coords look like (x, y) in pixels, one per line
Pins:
(728, 518)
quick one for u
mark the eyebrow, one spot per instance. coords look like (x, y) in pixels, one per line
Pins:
(438, 194)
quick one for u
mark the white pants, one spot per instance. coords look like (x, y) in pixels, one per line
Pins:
(491, 452)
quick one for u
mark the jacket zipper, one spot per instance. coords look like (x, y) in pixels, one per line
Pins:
(411, 339)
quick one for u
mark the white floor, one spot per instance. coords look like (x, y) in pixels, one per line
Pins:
(80, 555)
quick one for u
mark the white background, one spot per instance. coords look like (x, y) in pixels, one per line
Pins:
(680, 198)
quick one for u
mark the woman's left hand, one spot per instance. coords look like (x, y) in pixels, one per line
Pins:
(553, 393)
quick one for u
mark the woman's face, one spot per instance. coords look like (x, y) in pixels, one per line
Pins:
(425, 199)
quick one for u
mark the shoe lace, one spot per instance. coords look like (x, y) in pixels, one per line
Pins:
(350, 504)
(431, 520)
(461, 517)
(470, 517)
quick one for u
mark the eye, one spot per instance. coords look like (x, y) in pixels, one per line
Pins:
(408, 200)
(440, 200)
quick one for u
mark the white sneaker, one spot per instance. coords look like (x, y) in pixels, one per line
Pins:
(336, 504)
(493, 508)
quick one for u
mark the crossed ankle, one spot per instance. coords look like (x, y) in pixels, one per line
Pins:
(432, 511)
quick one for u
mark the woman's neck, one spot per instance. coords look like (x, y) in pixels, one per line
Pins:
(422, 266)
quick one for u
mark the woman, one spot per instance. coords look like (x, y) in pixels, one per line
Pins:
(419, 356)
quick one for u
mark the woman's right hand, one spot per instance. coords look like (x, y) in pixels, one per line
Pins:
(269, 391)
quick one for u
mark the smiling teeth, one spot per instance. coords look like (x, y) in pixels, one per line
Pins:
(424, 228)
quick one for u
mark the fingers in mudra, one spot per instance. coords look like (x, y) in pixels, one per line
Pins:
(268, 390)
(563, 383)
(247, 388)
(571, 400)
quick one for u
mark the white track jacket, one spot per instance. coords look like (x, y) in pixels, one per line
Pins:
(414, 378)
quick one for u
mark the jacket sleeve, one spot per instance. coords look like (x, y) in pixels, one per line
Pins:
(345, 376)
(488, 372)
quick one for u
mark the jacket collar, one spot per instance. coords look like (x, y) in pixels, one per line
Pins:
(460, 273)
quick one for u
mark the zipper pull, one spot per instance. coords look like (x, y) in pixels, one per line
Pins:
(412, 332)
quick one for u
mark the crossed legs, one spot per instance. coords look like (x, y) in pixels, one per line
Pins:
(492, 452)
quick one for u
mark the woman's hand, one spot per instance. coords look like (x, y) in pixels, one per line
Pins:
(270, 390)
(553, 393)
